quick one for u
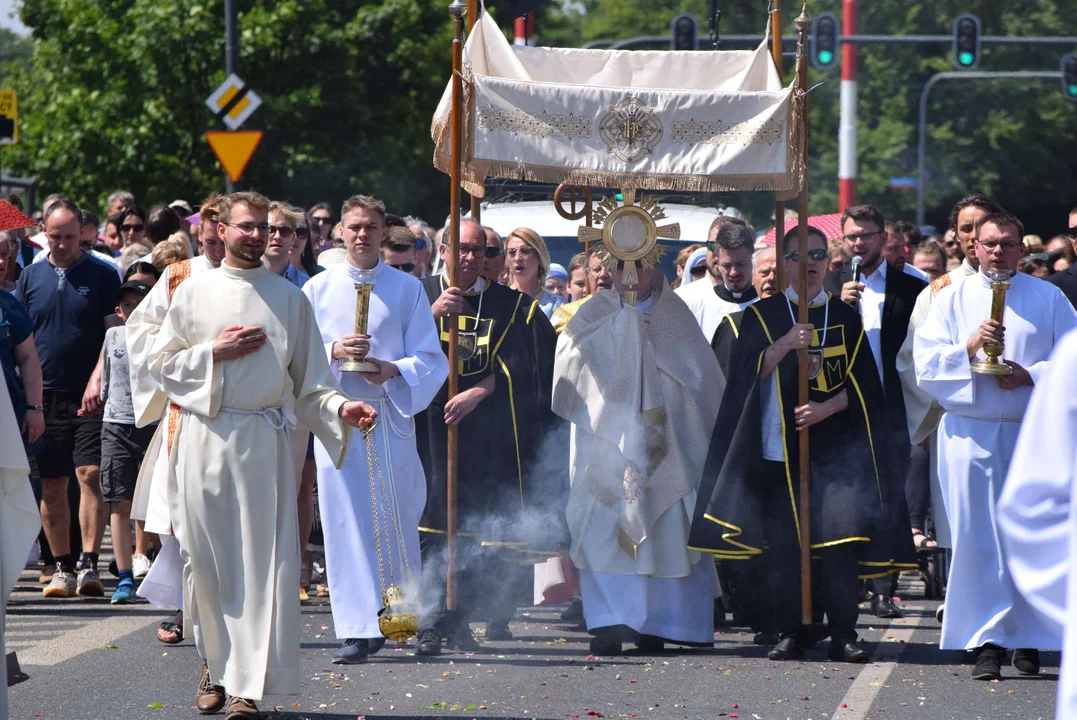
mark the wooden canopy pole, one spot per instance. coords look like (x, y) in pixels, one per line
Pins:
(803, 24)
(457, 10)
(472, 18)
(779, 205)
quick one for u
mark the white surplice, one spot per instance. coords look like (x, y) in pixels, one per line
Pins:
(163, 585)
(234, 508)
(707, 307)
(1038, 513)
(625, 376)
(976, 440)
(20, 519)
(402, 331)
(922, 412)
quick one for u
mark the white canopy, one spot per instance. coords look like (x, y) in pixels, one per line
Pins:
(662, 120)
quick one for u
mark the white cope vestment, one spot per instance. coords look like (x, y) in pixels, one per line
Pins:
(922, 412)
(234, 506)
(976, 439)
(1038, 511)
(638, 385)
(402, 332)
(707, 307)
(163, 585)
(20, 518)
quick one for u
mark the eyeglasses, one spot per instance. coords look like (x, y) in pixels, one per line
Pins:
(249, 228)
(473, 250)
(302, 232)
(322, 219)
(862, 236)
(1006, 246)
(132, 228)
(817, 255)
(492, 252)
(404, 267)
(1072, 232)
(283, 230)
(524, 252)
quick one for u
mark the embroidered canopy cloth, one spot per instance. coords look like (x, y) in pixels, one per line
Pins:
(707, 121)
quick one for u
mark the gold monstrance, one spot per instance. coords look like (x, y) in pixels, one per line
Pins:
(1000, 283)
(363, 288)
(629, 234)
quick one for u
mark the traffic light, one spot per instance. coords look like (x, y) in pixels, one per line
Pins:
(685, 32)
(824, 41)
(966, 41)
(1069, 76)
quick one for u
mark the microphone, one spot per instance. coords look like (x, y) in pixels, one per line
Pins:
(856, 263)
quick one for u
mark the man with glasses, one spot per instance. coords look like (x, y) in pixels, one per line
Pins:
(494, 269)
(748, 509)
(402, 342)
(1066, 281)
(884, 295)
(283, 219)
(505, 366)
(398, 250)
(728, 285)
(978, 433)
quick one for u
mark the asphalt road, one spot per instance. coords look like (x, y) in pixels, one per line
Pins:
(86, 659)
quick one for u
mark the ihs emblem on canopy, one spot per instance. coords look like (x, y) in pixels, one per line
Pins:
(629, 234)
(630, 130)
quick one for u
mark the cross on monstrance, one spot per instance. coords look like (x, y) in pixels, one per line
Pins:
(629, 233)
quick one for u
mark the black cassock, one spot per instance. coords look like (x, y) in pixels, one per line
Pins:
(745, 513)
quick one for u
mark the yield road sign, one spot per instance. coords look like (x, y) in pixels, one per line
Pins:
(233, 102)
(9, 117)
(234, 149)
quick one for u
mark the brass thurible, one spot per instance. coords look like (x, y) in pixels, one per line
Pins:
(362, 316)
(1000, 283)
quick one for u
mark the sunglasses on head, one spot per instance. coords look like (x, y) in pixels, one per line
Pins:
(492, 251)
(404, 267)
(816, 255)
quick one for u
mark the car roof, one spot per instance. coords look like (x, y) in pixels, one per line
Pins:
(540, 216)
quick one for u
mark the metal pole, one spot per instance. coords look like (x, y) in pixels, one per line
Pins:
(847, 124)
(803, 24)
(472, 18)
(457, 10)
(779, 205)
(921, 150)
(231, 57)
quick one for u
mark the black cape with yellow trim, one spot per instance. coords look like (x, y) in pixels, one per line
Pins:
(852, 477)
(501, 441)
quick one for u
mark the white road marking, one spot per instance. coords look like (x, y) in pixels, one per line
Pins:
(89, 636)
(862, 693)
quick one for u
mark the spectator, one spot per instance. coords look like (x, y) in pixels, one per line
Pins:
(302, 257)
(839, 255)
(133, 227)
(19, 353)
(123, 445)
(1033, 244)
(577, 277)
(494, 265)
(87, 239)
(695, 268)
(119, 201)
(336, 238)
(929, 258)
(68, 299)
(1063, 260)
(913, 236)
(283, 219)
(129, 255)
(528, 260)
(952, 248)
(183, 210)
(557, 281)
(398, 249)
(423, 244)
(1036, 266)
(321, 217)
(8, 249)
(142, 271)
(161, 224)
(175, 248)
(682, 258)
(113, 235)
(1057, 243)
(89, 229)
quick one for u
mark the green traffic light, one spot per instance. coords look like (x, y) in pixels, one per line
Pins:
(966, 58)
(826, 57)
(1072, 89)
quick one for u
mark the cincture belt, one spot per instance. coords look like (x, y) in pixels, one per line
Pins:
(273, 415)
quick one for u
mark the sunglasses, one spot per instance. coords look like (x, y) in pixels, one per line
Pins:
(322, 220)
(132, 228)
(404, 267)
(492, 252)
(1072, 232)
(817, 255)
(284, 230)
(302, 232)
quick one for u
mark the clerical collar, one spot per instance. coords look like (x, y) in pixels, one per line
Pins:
(243, 273)
(818, 300)
(733, 297)
(967, 266)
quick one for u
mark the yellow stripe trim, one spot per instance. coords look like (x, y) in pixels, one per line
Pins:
(502, 338)
(442, 532)
(733, 325)
(745, 550)
(871, 443)
(515, 434)
(832, 543)
(531, 312)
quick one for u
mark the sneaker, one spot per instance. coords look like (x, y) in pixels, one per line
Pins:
(140, 565)
(90, 584)
(125, 593)
(61, 585)
(352, 652)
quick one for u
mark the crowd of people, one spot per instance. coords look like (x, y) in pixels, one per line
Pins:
(191, 380)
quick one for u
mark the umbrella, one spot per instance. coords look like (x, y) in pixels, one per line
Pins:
(11, 218)
(830, 225)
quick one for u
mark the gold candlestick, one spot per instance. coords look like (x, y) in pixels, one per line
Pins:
(1000, 283)
(363, 288)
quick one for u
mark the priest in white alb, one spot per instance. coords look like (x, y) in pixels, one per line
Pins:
(1038, 511)
(238, 347)
(641, 387)
(982, 416)
(370, 507)
(20, 519)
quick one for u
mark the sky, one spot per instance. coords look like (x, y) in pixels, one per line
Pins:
(7, 8)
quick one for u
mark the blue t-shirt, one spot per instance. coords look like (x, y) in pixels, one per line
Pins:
(68, 308)
(15, 327)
